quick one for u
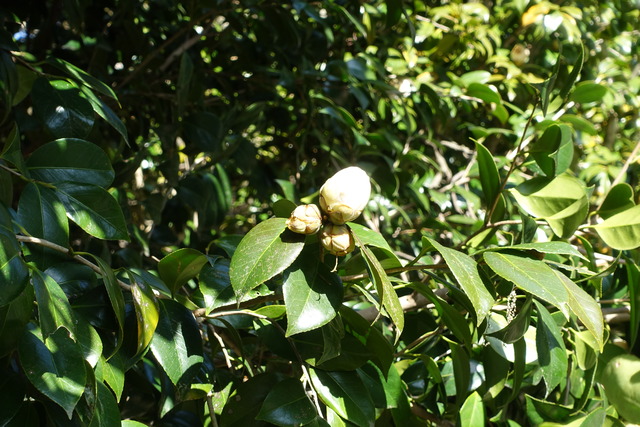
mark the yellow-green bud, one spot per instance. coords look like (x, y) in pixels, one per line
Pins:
(305, 219)
(337, 239)
(345, 195)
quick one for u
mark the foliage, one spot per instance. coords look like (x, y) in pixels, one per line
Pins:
(152, 151)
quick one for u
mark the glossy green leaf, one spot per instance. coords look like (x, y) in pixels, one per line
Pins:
(94, 210)
(483, 92)
(465, 270)
(472, 411)
(73, 160)
(633, 279)
(553, 151)
(180, 266)
(556, 247)
(246, 402)
(43, 216)
(622, 230)
(516, 327)
(106, 411)
(147, 313)
(287, 404)
(372, 238)
(394, 12)
(56, 368)
(620, 380)
(489, 177)
(82, 76)
(265, 251)
(104, 111)
(14, 317)
(12, 151)
(54, 310)
(552, 353)
(113, 374)
(62, 108)
(451, 316)
(14, 274)
(388, 298)
(545, 88)
(562, 202)
(619, 198)
(537, 278)
(371, 337)
(177, 344)
(573, 76)
(344, 393)
(89, 341)
(312, 294)
(586, 92)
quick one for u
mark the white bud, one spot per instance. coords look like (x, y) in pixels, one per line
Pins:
(337, 239)
(305, 219)
(345, 195)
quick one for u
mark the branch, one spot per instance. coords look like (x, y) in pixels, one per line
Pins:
(69, 252)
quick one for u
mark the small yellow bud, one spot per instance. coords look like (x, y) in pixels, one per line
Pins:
(345, 195)
(305, 219)
(337, 239)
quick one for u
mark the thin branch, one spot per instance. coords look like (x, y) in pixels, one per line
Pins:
(354, 277)
(212, 413)
(69, 252)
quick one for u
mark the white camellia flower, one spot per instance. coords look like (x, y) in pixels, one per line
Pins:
(345, 194)
(305, 219)
(337, 239)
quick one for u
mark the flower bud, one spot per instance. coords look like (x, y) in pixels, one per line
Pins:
(345, 194)
(337, 239)
(305, 219)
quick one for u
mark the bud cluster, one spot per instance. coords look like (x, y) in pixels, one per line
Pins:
(342, 199)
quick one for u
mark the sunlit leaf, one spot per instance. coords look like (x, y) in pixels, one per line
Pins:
(180, 266)
(287, 404)
(622, 230)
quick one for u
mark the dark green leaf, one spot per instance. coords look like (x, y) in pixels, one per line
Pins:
(12, 151)
(553, 152)
(312, 294)
(14, 274)
(62, 108)
(180, 266)
(552, 353)
(517, 327)
(177, 344)
(113, 374)
(54, 310)
(465, 270)
(264, 252)
(94, 210)
(287, 404)
(573, 76)
(73, 160)
(370, 336)
(82, 76)
(56, 368)
(13, 389)
(345, 394)
(451, 317)
(394, 12)
(104, 111)
(619, 198)
(388, 298)
(489, 177)
(244, 405)
(633, 276)
(13, 320)
(184, 80)
(106, 412)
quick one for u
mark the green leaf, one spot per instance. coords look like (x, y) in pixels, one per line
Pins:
(586, 92)
(370, 336)
(483, 92)
(180, 266)
(561, 201)
(14, 273)
(388, 297)
(106, 411)
(553, 151)
(12, 388)
(465, 270)
(619, 198)
(372, 238)
(62, 108)
(489, 177)
(184, 79)
(552, 353)
(244, 405)
(451, 316)
(54, 310)
(177, 344)
(394, 12)
(287, 404)
(556, 247)
(147, 313)
(546, 87)
(622, 230)
(537, 278)
(113, 374)
(56, 369)
(82, 76)
(73, 160)
(264, 252)
(94, 210)
(104, 111)
(89, 341)
(14, 317)
(472, 411)
(517, 327)
(620, 380)
(312, 294)
(12, 151)
(345, 394)
(633, 276)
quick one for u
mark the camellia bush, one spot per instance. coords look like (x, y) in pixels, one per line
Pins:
(239, 213)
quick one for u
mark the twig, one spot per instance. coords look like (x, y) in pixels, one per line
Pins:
(69, 252)
(225, 352)
(212, 413)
